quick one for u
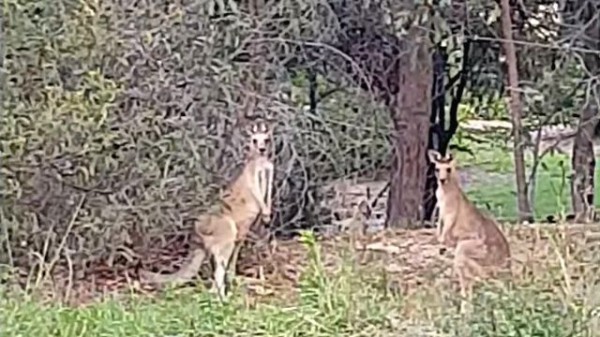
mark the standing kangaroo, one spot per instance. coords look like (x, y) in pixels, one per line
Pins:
(480, 244)
(220, 232)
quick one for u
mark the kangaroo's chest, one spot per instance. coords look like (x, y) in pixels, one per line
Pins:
(448, 210)
(243, 199)
(441, 201)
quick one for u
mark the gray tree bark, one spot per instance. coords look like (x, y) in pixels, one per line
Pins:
(585, 14)
(515, 107)
(410, 110)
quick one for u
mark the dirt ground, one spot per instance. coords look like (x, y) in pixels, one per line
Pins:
(409, 259)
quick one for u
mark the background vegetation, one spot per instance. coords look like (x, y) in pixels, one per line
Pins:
(121, 120)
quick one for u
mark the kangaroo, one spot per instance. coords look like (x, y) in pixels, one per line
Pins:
(479, 242)
(220, 232)
(357, 224)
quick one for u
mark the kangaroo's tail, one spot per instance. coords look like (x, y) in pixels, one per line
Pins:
(183, 275)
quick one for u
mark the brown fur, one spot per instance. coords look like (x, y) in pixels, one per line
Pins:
(481, 247)
(221, 231)
(357, 224)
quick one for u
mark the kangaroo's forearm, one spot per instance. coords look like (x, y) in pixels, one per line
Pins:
(448, 225)
(258, 194)
(269, 187)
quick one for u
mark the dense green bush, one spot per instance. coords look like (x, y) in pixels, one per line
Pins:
(120, 121)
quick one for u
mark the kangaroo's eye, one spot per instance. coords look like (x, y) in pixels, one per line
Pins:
(254, 141)
(267, 141)
(437, 169)
(448, 170)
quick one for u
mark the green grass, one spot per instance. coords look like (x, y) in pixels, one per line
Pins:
(349, 302)
(187, 314)
(497, 193)
(367, 312)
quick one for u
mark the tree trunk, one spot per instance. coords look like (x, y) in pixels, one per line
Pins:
(524, 207)
(583, 165)
(437, 127)
(583, 162)
(410, 112)
(439, 136)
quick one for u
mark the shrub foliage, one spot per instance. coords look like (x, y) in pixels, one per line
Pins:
(122, 119)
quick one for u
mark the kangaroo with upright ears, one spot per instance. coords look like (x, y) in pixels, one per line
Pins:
(480, 244)
(220, 232)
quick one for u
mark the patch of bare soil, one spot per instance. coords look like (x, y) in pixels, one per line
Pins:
(411, 259)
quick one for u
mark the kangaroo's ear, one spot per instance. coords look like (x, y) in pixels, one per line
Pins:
(270, 124)
(434, 156)
(449, 157)
(247, 128)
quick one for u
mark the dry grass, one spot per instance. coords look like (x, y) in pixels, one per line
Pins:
(390, 283)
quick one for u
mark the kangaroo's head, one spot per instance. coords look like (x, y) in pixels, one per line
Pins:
(260, 135)
(361, 214)
(445, 168)
(363, 211)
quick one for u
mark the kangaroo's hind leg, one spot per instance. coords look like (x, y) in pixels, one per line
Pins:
(234, 258)
(222, 254)
(222, 250)
(468, 259)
